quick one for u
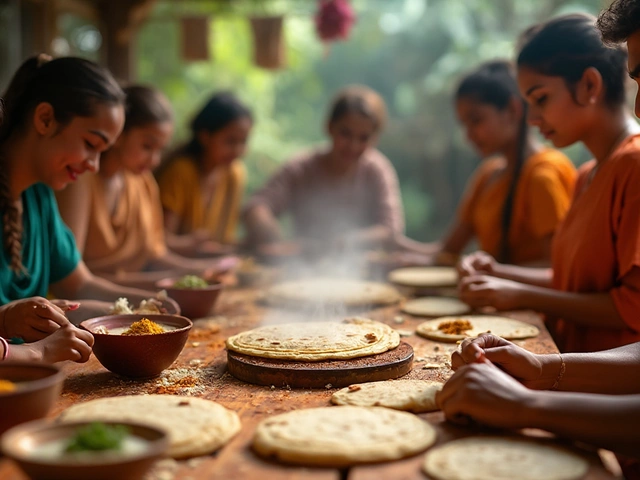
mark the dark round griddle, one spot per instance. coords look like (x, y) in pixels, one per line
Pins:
(337, 373)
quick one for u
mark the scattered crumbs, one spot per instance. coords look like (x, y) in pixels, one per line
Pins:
(420, 359)
(195, 344)
(195, 362)
(428, 366)
(164, 469)
(436, 348)
(194, 462)
(328, 386)
(398, 319)
(273, 387)
(405, 333)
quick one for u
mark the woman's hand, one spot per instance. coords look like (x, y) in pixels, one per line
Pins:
(477, 263)
(66, 343)
(485, 291)
(521, 364)
(485, 394)
(33, 318)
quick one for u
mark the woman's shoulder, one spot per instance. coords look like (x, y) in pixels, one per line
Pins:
(180, 165)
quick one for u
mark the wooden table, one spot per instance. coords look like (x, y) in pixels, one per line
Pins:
(202, 368)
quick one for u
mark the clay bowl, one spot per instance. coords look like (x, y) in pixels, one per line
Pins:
(138, 356)
(22, 443)
(194, 302)
(38, 388)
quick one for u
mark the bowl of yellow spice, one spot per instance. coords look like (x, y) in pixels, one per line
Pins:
(138, 345)
(194, 294)
(82, 450)
(27, 391)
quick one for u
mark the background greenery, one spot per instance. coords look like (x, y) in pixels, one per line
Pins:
(411, 51)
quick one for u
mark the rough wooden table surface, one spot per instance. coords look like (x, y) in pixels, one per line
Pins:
(201, 371)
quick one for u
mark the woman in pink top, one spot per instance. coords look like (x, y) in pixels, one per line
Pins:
(346, 193)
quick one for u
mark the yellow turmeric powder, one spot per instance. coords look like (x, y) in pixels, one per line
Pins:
(144, 326)
(455, 327)
(6, 386)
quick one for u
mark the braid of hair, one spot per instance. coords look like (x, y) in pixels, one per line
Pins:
(11, 226)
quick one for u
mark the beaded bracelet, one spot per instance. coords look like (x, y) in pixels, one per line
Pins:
(563, 367)
(5, 352)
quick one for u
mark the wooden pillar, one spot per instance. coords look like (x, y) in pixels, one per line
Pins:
(119, 22)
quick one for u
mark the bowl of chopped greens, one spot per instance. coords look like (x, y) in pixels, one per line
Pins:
(82, 450)
(138, 345)
(27, 391)
(196, 296)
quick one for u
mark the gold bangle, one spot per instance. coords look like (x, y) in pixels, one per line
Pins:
(563, 367)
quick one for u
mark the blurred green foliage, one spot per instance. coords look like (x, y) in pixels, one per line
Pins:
(411, 51)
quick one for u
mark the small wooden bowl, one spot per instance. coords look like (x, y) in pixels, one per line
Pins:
(138, 355)
(194, 302)
(20, 442)
(38, 389)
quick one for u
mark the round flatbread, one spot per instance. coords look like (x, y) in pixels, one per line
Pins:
(327, 291)
(195, 426)
(342, 436)
(416, 396)
(489, 458)
(435, 307)
(433, 277)
(442, 329)
(314, 341)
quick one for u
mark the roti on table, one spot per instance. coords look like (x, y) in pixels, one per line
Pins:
(435, 307)
(195, 426)
(452, 329)
(328, 291)
(424, 277)
(415, 396)
(495, 458)
(342, 436)
(314, 341)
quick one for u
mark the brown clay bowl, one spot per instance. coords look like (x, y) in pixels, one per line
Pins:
(38, 388)
(21, 444)
(194, 302)
(138, 355)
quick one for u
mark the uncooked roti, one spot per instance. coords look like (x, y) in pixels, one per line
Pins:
(492, 458)
(416, 396)
(328, 291)
(342, 436)
(195, 426)
(314, 341)
(435, 307)
(452, 329)
(424, 277)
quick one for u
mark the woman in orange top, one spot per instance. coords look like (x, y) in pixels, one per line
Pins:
(515, 201)
(575, 87)
(202, 184)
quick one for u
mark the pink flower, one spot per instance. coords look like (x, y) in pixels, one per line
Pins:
(334, 20)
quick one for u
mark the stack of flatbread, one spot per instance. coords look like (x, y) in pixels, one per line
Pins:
(195, 426)
(439, 329)
(329, 291)
(342, 436)
(315, 341)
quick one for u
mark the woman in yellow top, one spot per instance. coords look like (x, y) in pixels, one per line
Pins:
(202, 185)
(516, 199)
(116, 214)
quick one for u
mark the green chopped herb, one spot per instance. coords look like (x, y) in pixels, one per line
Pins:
(98, 437)
(191, 281)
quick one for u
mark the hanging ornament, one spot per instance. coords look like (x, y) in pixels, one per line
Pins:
(334, 20)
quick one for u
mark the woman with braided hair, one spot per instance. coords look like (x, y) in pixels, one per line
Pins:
(58, 116)
(519, 195)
